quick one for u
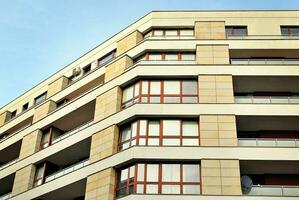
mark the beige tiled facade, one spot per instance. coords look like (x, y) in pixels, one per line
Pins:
(31, 143)
(111, 110)
(104, 143)
(23, 179)
(101, 185)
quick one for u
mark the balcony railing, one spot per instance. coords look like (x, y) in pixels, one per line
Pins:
(262, 37)
(8, 164)
(5, 197)
(267, 100)
(72, 132)
(264, 61)
(274, 190)
(268, 142)
(67, 170)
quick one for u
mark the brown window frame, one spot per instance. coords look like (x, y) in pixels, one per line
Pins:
(35, 181)
(129, 183)
(146, 98)
(135, 141)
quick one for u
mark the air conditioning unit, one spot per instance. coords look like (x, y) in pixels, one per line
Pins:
(76, 71)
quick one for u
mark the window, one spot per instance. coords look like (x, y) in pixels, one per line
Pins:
(13, 114)
(106, 58)
(49, 135)
(40, 98)
(159, 178)
(167, 56)
(171, 32)
(186, 32)
(164, 132)
(61, 102)
(25, 107)
(39, 175)
(86, 69)
(289, 30)
(236, 30)
(157, 91)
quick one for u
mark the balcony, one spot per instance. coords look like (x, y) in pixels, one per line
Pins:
(268, 131)
(67, 170)
(272, 178)
(264, 61)
(274, 190)
(6, 185)
(8, 164)
(267, 99)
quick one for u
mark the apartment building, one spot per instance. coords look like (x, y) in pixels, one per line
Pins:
(178, 105)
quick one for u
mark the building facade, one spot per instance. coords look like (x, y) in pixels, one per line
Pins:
(179, 105)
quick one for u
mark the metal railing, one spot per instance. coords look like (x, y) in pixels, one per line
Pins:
(67, 170)
(274, 190)
(9, 163)
(262, 37)
(267, 99)
(268, 142)
(72, 132)
(5, 197)
(264, 61)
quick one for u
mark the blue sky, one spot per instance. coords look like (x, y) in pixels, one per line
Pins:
(39, 37)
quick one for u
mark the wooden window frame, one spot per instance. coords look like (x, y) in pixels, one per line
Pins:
(44, 165)
(159, 183)
(139, 98)
(160, 136)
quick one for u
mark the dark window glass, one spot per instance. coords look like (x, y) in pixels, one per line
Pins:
(40, 98)
(236, 30)
(13, 114)
(106, 58)
(25, 106)
(87, 69)
(289, 30)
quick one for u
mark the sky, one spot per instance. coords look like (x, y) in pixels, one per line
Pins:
(39, 37)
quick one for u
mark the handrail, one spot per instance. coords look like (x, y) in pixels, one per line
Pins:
(270, 61)
(267, 99)
(277, 142)
(274, 190)
(5, 196)
(271, 37)
(67, 170)
(72, 132)
(8, 164)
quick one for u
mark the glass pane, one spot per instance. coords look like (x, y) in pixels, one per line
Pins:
(189, 87)
(121, 192)
(170, 173)
(155, 56)
(134, 129)
(127, 94)
(186, 32)
(153, 128)
(240, 31)
(155, 87)
(139, 189)
(158, 32)
(40, 172)
(153, 142)
(152, 173)
(191, 189)
(171, 100)
(145, 87)
(172, 87)
(142, 130)
(141, 141)
(188, 56)
(171, 32)
(190, 142)
(171, 127)
(295, 31)
(136, 90)
(171, 189)
(125, 145)
(171, 142)
(155, 99)
(125, 134)
(123, 178)
(151, 189)
(284, 31)
(189, 100)
(191, 173)
(171, 56)
(190, 128)
(140, 175)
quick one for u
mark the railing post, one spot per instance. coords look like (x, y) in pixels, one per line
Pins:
(282, 191)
